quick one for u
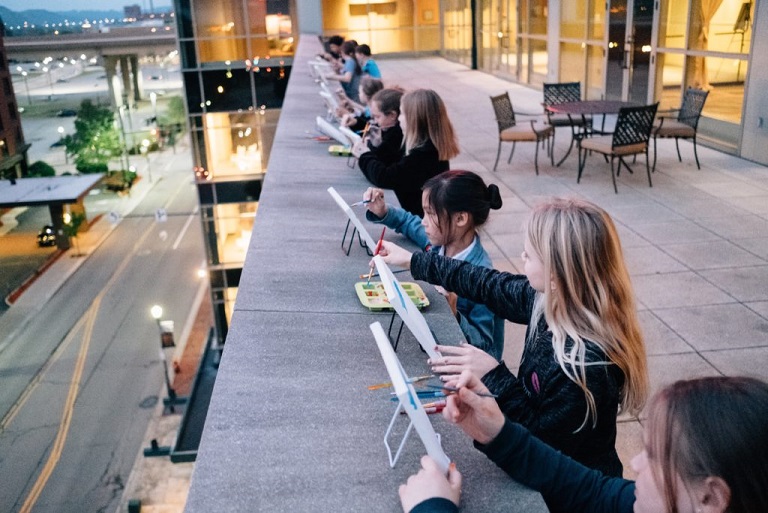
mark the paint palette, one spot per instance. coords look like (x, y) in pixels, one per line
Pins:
(373, 296)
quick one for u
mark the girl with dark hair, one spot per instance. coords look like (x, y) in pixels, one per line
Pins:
(705, 451)
(456, 203)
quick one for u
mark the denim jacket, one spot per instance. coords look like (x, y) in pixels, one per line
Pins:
(481, 327)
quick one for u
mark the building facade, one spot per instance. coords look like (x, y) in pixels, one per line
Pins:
(235, 64)
(636, 50)
(13, 149)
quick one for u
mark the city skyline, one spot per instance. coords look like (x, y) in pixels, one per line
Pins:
(81, 5)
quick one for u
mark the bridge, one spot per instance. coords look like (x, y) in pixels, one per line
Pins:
(116, 46)
(117, 41)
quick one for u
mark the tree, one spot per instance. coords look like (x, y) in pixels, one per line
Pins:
(174, 113)
(96, 140)
(40, 168)
(71, 228)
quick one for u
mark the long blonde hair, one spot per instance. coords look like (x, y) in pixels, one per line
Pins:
(587, 296)
(426, 119)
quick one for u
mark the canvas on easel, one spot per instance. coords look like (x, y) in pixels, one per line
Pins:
(331, 131)
(406, 309)
(410, 403)
(367, 239)
(353, 137)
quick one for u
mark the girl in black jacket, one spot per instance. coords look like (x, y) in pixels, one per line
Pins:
(429, 142)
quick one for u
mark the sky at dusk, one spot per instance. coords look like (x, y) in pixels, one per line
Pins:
(75, 5)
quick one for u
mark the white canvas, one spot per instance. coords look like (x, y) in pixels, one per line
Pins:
(352, 136)
(409, 400)
(331, 131)
(406, 309)
(353, 217)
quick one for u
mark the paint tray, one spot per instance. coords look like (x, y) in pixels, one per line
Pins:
(373, 296)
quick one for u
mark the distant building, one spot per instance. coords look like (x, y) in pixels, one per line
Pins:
(131, 12)
(13, 149)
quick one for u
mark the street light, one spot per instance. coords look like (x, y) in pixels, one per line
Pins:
(145, 150)
(157, 313)
(153, 99)
(26, 86)
(47, 71)
(61, 140)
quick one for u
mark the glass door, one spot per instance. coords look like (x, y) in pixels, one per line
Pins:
(630, 24)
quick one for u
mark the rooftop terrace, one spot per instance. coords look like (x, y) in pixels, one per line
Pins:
(291, 425)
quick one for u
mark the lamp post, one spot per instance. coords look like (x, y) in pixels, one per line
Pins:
(157, 313)
(47, 71)
(125, 139)
(61, 140)
(26, 85)
(145, 150)
(153, 99)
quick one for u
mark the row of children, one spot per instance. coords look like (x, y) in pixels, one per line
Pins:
(350, 63)
(583, 358)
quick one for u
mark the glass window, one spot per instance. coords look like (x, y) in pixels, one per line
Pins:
(674, 18)
(596, 25)
(720, 26)
(234, 145)
(457, 31)
(184, 19)
(571, 62)
(595, 73)
(535, 16)
(573, 19)
(388, 25)
(726, 94)
(230, 225)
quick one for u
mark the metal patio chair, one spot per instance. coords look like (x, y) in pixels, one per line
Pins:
(630, 137)
(684, 125)
(565, 92)
(511, 131)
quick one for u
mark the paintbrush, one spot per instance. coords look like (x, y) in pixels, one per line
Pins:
(378, 248)
(389, 384)
(455, 390)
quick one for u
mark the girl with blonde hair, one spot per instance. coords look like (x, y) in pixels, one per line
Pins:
(703, 451)
(429, 141)
(584, 358)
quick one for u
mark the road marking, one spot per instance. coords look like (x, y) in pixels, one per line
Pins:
(66, 415)
(19, 404)
(74, 386)
(184, 228)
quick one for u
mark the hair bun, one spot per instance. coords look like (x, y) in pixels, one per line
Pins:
(494, 196)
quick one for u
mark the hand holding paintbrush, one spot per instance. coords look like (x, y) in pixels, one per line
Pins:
(376, 252)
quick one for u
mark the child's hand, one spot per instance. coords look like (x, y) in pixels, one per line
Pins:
(479, 417)
(359, 148)
(393, 254)
(464, 357)
(376, 206)
(430, 482)
(373, 136)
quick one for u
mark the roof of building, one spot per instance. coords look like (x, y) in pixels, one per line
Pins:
(46, 190)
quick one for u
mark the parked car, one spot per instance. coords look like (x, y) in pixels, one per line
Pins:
(46, 237)
(66, 113)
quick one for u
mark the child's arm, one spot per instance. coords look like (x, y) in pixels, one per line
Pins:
(401, 221)
(508, 295)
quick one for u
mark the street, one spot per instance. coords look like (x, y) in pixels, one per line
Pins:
(81, 379)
